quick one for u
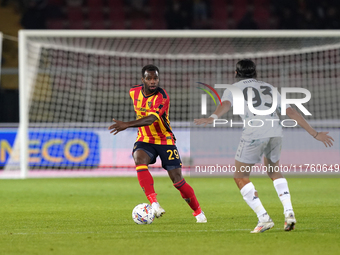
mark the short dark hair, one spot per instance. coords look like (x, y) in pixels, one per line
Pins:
(149, 68)
(246, 68)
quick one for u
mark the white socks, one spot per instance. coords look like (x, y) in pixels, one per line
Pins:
(248, 193)
(281, 187)
(282, 190)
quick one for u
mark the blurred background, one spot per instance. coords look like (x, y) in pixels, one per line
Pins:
(147, 14)
(78, 84)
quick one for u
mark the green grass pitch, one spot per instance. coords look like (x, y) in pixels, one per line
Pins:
(93, 216)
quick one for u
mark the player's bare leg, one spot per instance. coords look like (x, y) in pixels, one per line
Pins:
(281, 187)
(250, 195)
(187, 194)
(274, 175)
(145, 179)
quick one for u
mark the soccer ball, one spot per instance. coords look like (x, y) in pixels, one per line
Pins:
(143, 214)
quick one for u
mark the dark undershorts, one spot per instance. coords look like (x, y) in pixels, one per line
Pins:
(168, 153)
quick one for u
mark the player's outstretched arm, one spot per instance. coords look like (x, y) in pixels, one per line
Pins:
(220, 110)
(320, 136)
(121, 125)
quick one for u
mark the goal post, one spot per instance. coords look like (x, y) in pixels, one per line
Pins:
(22, 133)
(72, 83)
(1, 38)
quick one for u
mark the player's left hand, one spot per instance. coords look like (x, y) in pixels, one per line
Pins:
(204, 121)
(325, 138)
(118, 126)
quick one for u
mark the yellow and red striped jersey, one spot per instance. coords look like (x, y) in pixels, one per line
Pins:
(158, 103)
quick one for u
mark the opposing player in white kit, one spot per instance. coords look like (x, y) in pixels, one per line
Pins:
(257, 141)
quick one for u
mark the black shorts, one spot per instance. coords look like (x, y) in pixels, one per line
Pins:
(168, 153)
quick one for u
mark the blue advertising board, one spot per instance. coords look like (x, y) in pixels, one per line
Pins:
(67, 148)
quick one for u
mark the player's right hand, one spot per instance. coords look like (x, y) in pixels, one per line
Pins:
(204, 121)
(325, 138)
(118, 126)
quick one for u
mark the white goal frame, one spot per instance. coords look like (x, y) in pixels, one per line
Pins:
(24, 34)
(1, 39)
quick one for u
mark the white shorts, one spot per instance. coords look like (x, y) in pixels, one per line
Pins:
(251, 151)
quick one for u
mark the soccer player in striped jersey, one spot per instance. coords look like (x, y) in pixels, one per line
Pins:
(155, 138)
(256, 142)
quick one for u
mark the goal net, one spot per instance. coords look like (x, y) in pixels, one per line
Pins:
(72, 83)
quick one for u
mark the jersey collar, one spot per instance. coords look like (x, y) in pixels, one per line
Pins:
(147, 96)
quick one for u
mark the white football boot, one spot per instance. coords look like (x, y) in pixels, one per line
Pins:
(263, 226)
(157, 209)
(201, 218)
(290, 222)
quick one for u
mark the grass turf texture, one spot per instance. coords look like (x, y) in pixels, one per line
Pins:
(93, 216)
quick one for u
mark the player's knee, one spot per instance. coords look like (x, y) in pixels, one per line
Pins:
(141, 158)
(141, 161)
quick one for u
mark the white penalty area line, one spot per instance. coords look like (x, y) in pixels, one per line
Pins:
(122, 232)
(140, 231)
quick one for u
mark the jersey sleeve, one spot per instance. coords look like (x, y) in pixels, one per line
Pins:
(227, 96)
(161, 104)
(132, 93)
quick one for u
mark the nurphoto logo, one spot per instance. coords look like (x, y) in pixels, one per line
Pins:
(240, 96)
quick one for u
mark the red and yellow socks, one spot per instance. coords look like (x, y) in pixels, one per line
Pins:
(145, 180)
(152, 198)
(188, 195)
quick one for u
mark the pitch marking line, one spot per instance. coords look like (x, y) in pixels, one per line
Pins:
(140, 231)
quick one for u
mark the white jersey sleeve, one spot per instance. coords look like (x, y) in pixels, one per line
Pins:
(227, 96)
